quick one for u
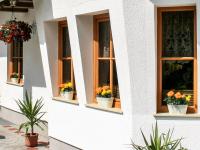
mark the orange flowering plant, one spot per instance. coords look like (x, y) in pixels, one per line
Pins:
(177, 98)
(66, 87)
(103, 92)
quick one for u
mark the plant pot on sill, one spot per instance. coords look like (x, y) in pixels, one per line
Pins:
(116, 103)
(14, 80)
(31, 140)
(177, 109)
(105, 102)
(67, 95)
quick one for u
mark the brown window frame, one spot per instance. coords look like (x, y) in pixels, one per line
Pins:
(96, 58)
(61, 25)
(160, 107)
(19, 62)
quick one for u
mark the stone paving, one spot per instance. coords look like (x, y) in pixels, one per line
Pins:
(10, 139)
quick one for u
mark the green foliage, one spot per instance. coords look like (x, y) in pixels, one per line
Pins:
(32, 111)
(159, 141)
(14, 75)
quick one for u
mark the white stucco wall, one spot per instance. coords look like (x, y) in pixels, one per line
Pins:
(141, 21)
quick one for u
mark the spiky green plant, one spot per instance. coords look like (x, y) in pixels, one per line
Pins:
(32, 111)
(159, 141)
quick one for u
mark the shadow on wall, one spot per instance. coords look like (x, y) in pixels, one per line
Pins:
(51, 36)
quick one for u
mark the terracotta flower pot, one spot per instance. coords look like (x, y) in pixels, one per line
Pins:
(31, 140)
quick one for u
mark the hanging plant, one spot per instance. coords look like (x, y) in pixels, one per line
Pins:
(15, 30)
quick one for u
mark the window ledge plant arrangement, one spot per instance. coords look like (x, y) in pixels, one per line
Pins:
(66, 91)
(177, 103)
(14, 77)
(32, 111)
(103, 97)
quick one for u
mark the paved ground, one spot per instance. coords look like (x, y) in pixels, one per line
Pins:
(10, 139)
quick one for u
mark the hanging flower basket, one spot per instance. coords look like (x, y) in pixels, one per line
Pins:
(15, 30)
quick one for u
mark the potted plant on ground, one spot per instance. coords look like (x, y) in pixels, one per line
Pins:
(66, 90)
(14, 77)
(32, 111)
(177, 103)
(103, 97)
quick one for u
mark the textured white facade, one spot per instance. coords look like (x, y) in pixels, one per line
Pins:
(133, 24)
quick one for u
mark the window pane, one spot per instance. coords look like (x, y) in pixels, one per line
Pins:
(66, 42)
(104, 39)
(177, 75)
(15, 49)
(104, 72)
(21, 68)
(15, 66)
(115, 82)
(20, 44)
(178, 34)
(66, 71)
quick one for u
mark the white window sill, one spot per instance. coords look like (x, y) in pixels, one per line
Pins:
(96, 106)
(168, 115)
(15, 84)
(61, 99)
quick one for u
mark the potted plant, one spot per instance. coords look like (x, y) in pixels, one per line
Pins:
(66, 91)
(103, 97)
(177, 103)
(32, 111)
(14, 77)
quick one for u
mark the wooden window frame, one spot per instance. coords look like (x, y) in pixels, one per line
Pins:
(96, 58)
(19, 62)
(61, 25)
(160, 107)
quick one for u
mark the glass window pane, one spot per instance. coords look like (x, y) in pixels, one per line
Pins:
(66, 42)
(15, 66)
(20, 49)
(15, 49)
(178, 34)
(66, 71)
(104, 72)
(177, 75)
(21, 68)
(115, 82)
(104, 39)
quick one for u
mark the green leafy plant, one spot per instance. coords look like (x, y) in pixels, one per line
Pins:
(32, 111)
(14, 75)
(159, 141)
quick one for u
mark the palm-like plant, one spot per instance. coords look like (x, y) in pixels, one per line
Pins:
(32, 111)
(159, 142)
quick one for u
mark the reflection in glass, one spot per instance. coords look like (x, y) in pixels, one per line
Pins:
(115, 82)
(66, 71)
(15, 66)
(178, 34)
(66, 43)
(104, 73)
(104, 39)
(177, 75)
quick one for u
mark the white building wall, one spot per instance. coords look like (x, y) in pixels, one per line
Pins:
(141, 21)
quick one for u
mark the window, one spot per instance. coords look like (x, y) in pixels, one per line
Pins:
(66, 73)
(16, 60)
(177, 54)
(105, 72)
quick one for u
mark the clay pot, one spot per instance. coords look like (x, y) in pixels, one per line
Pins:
(31, 140)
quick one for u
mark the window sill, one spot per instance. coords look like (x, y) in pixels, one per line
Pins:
(15, 84)
(61, 99)
(168, 115)
(96, 106)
